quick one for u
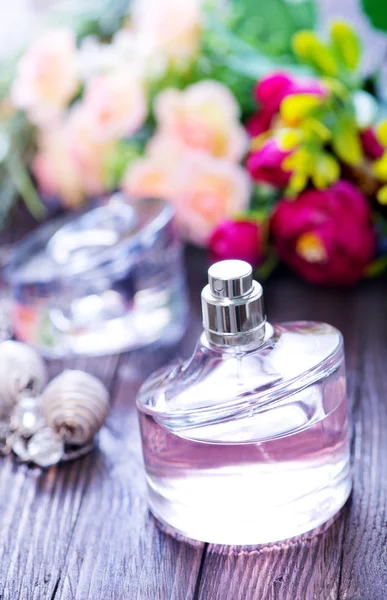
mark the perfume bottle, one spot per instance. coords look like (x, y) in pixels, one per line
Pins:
(247, 442)
(105, 281)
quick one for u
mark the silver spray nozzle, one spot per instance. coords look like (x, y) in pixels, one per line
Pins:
(232, 305)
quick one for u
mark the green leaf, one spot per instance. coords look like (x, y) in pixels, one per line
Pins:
(267, 267)
(376, 12)
(377, 267)
(269, 26)
(24, 185)
(346, 142)
(236, 62)
(312, 51)
(8, 196)
(119, 160)
(346, 44)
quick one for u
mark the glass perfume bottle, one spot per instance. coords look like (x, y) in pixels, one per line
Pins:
(105, 281)
(247, 442)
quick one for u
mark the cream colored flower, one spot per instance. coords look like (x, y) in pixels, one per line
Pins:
(154, 175)
(207, 191)
(46, 78)
(147, 178)
(204, 116)
(90, 155)
(116, 104)
(56, 172)
(203, 189)
(168, 27)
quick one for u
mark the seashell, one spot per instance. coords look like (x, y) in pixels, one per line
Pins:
(21, 370)
(45, 448)
(75, 405)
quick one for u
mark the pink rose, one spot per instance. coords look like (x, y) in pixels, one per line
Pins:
(70, 164)
(206, 191)
(204, 116)
(148, 177)
(265, 163)
(326, 235)
(154, 175)
(203, 189)
(242, 240)
(371, 146)
(91, 155)
(116, 104)
(46, 78)
(56, 172)
(270, 92)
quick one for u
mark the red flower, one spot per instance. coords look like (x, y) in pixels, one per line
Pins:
(326, 236)
(371, 146)
(242, 240)
(270, 92)
(264, 164)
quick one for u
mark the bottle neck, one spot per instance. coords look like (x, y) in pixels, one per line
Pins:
(241, 342)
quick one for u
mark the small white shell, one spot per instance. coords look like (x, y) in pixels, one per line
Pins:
(75, 405)
(21, 369)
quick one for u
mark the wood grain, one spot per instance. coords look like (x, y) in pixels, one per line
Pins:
(83, 531)
(39, 510)
(364, 568)
(309, 567)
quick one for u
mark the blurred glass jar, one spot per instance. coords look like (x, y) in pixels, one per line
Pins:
(107, 281)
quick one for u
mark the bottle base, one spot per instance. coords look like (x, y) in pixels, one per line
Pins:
(311, 512)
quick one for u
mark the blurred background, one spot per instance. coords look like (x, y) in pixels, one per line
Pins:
(262, 128)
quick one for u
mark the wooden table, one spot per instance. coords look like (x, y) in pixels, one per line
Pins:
(83, 531)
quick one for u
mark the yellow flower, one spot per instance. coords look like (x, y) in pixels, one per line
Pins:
(297, 107)
(321, 167)
(289, 138)
(297, 183)
(310, 247)
(380, 168)
(381, 133)
(310, 49)
(259, 140)
(312, 127)
(299, 164)
(326, 170)
(298, 160)
(346, 141)
(382, 195)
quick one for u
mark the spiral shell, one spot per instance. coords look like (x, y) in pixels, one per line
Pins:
(21, 370)
(75, 405)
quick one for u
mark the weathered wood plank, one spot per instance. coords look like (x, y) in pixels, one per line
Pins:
(117, 551)
(83, 530)
(39, 510)
(364, 568)
(306, 568)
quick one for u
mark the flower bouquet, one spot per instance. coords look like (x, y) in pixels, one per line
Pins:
(315, 143)
(165, 107)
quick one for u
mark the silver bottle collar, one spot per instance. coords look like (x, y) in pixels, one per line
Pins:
(232, 305)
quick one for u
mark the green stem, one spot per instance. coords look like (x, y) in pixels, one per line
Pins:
(25, 186)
